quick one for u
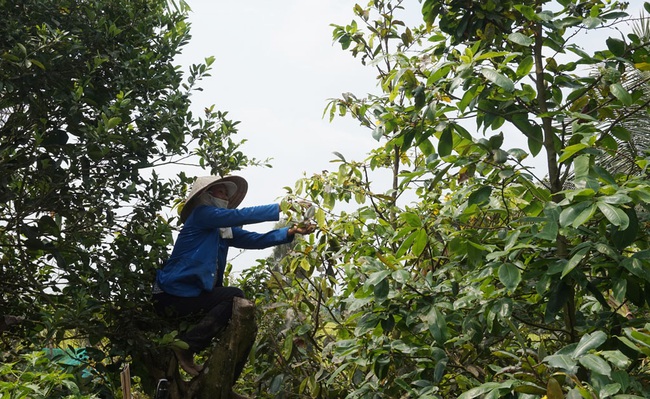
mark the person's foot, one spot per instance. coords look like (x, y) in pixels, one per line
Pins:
(186, 361)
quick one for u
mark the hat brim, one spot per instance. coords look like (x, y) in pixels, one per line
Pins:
(202, 183)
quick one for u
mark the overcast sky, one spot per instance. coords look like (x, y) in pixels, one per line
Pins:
(275, 69)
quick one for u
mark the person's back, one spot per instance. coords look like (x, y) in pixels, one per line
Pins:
(191, 281)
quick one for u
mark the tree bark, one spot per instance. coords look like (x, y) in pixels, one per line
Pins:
(218, 376)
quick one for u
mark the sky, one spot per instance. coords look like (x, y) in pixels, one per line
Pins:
(275, 68)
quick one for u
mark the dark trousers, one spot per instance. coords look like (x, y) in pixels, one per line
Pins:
(214, 308)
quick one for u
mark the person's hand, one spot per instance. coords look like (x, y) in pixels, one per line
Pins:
(302, 229)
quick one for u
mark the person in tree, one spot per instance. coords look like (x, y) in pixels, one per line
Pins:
(191, 281)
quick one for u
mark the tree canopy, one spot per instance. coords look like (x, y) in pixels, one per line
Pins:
(92, 107)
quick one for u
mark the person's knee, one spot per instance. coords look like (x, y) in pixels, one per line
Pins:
(237, 292)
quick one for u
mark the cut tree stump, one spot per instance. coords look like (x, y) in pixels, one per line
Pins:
(217, 378)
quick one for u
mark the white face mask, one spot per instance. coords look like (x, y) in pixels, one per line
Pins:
(207, 199)
(219, 203)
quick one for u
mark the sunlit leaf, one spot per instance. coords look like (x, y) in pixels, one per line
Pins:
(569, 214)
(525, 66)
(596, 364)
(584, 216)
(520, 39)
(420, 242)
(571, 151)
(510, 276)
(574, 261)
(563, 362)
(615, 215)
(589, 342)
(500, 80)
(642, 66)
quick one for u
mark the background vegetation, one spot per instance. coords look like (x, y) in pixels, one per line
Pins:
(470, 276)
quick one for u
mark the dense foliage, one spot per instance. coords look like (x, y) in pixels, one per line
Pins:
(91, 103)
(473, 274)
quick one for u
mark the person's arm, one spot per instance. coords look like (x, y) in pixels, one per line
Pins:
(251, 240)
(213, 217)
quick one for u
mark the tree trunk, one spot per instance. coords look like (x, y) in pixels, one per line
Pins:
(218, 375)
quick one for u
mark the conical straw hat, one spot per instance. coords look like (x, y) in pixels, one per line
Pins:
(237, 188)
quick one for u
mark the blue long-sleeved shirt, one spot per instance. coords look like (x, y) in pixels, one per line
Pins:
(198, 260)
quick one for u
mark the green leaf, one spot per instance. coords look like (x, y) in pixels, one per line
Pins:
(584, 216)
(528, 12)
(621, 93)
(569, 214)
(446, 142)
(616, 46)
(480, 390)
(639, 337)
(623, 238)
(339, 156)
(525, 66)
(571, 151)
(381, 289)
(520, 39)
(617, 358)
(589, 342)
(491, 54)
(276, 383)
(549, 230)
(615, 215)
(615, 199)
(496, 141)
(376, 277)
(591, 22)
(635, 266)
(563, 362)
(500, 80)
(596, 364)
(420, 242)
(535, 141)
(574, 261)
(621, 133)
(510, 276)
(412, 219)
(480, 196)
(437, 325)
(113, 122)
(529, 388)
